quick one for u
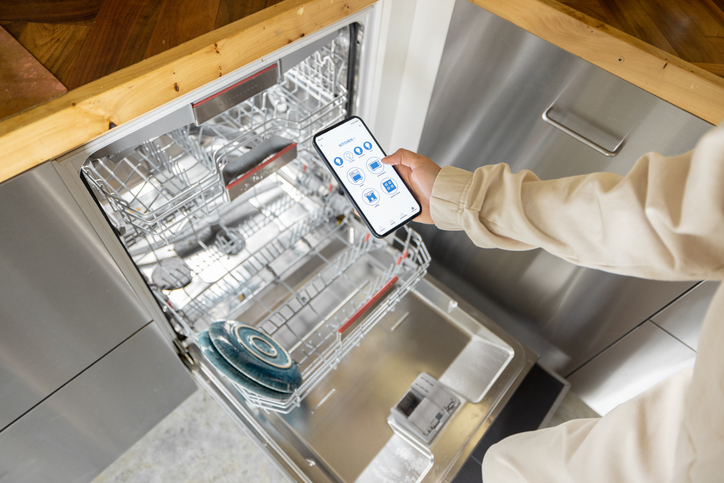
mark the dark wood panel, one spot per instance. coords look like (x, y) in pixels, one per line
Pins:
(718, 43)
(233, 10)
(14, 28)
(707, 16)
(634, 20)
(55, 45)
(689, 29)
(140, 34)
(599, 10)
(49, 11)
(684, 35)
(110, 40)
(181, 21)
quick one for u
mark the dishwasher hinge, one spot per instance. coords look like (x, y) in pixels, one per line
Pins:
(184, 354)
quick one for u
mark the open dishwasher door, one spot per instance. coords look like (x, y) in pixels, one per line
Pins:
(217, 208)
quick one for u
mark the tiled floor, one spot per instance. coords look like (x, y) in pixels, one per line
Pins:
(198, 442)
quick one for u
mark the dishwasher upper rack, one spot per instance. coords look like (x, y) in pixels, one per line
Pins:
(311, 97)
(399, 262)
(160, 187)
(168, 183)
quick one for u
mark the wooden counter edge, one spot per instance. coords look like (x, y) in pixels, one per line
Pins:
(683, 84)
(75, 118)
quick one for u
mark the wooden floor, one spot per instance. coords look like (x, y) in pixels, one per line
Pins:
(692, 30)
(79, 41)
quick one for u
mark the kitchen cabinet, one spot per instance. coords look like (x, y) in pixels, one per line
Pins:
(84, 369)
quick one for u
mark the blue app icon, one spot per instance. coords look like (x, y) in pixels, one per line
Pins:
(389, 186)
(338, 161)
(358, 151)
(375, 165)
(367, 145)
(355, 176)
(371, 197)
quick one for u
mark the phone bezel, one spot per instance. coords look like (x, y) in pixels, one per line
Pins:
(344, 186)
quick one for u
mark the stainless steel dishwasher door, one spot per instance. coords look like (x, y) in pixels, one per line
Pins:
(340, 432)
(494, 85)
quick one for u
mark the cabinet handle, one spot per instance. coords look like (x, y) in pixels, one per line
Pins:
(582, 139)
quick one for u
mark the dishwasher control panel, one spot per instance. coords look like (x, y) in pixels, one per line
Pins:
(425, 408)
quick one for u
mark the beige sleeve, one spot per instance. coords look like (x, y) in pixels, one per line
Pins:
(664, 220)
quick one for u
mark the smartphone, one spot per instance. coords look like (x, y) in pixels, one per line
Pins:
(352, 154)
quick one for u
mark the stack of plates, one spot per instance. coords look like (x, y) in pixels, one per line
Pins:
(251, 358)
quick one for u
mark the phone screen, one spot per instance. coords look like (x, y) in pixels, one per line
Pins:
(378, 193)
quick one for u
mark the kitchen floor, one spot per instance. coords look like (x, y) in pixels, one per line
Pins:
(198, 442)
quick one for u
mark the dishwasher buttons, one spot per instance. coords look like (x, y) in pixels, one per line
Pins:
(425, 408)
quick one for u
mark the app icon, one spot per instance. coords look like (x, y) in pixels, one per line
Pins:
(371, 197)
(356, 176)
(338, 161)
(375, 165)
(348, 156)
(367, 145)
(389, 186)
(358, 151)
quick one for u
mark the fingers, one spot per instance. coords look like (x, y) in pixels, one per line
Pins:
(406, 158)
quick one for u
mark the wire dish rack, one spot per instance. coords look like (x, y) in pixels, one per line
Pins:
(169, 184)
(313, 279)
(317, 289)
(312, 96)
(159, 188)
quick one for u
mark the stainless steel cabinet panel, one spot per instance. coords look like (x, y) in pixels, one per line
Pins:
(683, 318)
(638, 361)
(63, 301)
(493, 86)
(78, 431)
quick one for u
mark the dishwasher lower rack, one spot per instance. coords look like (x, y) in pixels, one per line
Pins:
(327, 285)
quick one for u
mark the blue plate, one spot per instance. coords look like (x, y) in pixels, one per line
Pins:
(228, 370)
(256, 355)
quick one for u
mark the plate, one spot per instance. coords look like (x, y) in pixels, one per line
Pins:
(208, 349)
(256, 355)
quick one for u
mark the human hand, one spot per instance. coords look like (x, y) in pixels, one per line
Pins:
(419, 173)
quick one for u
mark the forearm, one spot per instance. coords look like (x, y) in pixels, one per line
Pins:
(664, 220)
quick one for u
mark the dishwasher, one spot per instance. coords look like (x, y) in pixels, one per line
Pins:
(216, 208)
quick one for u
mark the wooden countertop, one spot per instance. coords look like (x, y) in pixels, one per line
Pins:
(122, 58)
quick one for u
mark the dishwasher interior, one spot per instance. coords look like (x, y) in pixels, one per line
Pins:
(234, 217)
